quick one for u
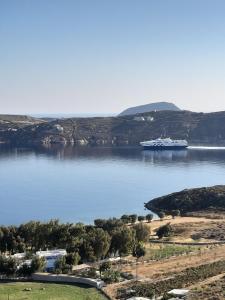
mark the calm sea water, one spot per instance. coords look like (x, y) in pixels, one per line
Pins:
(81, 184)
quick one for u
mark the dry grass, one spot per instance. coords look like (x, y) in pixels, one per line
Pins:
(185, 228)
(211, 289)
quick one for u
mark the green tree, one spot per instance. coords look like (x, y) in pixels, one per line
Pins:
(112, 223)
(61, 266)
(99, 223)
(72, 259)
(149, 217)
(175, 213)
(161, 215)
(142, 232)
(138, 251)
(122, 241)
(8, 266)
(141, 218)
(24, 270)
(95, 245)
(126, 219)
(38, 264)
(133, 218)
(100, 240)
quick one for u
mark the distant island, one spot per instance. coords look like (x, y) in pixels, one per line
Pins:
(190, 200)
(196, 128)
(156, 106)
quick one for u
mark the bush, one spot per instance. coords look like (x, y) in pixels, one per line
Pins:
(164, 231)
(38, 264)
(61, 266)
(111, 276)
(139, 251)
(105, 266)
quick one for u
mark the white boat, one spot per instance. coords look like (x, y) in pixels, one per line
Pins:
(164, 144)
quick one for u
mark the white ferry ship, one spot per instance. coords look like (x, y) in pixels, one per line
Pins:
(164, 144)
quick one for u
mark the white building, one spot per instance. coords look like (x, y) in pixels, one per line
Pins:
(51, 256)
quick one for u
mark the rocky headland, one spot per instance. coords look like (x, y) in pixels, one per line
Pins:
(190, 200)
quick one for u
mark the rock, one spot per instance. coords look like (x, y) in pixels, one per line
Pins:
(27, 289)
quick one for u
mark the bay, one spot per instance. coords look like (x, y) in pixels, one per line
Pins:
(80, 184)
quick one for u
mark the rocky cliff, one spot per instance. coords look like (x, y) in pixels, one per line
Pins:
(197, 128)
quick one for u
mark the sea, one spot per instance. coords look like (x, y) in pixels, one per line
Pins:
(80, 184)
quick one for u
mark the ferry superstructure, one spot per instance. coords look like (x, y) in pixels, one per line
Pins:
(164, 144)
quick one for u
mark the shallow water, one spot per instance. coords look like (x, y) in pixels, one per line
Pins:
(81, 184)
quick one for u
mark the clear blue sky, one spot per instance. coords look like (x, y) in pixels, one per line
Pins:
(74, 56)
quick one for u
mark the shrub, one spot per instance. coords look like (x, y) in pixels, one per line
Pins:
(111, 276)
(139, 251)
(105, 266)
(164, 231)
(142, 232)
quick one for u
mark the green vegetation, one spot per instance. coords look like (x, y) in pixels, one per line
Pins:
(164, 231)
(139, 251)
(175, 213)
(10, 266)
(39, 291)
(141, 218)
(149, 217)
(161, 215)
(82, 242)
(105, 266)
(190, 200)
(142, 232)
(157, 252)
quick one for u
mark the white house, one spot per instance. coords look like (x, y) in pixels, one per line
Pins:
(51, 256)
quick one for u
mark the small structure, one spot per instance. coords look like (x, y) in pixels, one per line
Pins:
(51, 257)
(81, 267)
(139, 118)
(150, 119)
(58, 128)
(179, 293)
(19, 255)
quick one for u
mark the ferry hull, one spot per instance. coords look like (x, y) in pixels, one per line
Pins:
(164, 147)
